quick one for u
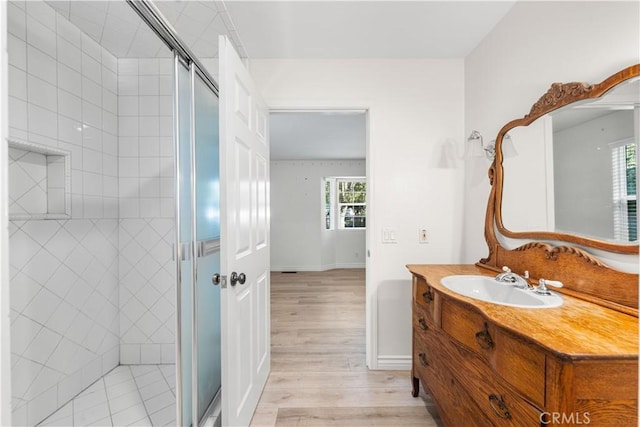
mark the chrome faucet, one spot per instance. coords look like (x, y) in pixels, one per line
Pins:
(508, 276)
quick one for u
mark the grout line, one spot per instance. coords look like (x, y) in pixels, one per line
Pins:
(167, 381)
(106, 393)
(139, 394)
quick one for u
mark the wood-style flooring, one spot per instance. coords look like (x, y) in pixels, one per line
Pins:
(318, 371)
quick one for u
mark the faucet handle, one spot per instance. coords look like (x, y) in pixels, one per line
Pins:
(554, 283)
(542, 288)
(506, 269)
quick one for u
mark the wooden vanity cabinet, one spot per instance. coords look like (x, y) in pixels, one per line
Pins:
(480, 372)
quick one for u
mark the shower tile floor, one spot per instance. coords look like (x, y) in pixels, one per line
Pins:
(129, 395)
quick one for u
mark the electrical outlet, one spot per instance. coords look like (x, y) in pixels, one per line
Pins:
(423, 235)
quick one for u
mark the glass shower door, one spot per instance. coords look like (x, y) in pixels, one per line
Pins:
(207, 149)
(198, 217)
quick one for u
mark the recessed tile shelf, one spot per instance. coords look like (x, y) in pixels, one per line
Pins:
(39, 182)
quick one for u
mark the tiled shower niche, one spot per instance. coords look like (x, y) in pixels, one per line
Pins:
(39, 182)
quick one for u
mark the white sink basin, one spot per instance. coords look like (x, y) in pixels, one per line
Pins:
(488, 289)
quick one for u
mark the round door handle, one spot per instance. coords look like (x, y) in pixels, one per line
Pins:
(216, 279)
(237, 278)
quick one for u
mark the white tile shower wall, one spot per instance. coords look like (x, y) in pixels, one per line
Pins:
(64, 274)
(147, 291)
(28, 174)
(64, 94)
(64, 308)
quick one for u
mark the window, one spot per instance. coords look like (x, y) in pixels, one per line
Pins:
(625, 211)
(345, 201)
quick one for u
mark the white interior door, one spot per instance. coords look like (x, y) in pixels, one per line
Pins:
(244, 221)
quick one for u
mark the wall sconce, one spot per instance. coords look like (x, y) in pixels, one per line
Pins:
(478, 148)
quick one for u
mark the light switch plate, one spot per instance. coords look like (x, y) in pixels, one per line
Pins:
(389, 235)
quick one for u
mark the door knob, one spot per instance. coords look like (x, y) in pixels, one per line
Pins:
(216, 279)
(237, 278)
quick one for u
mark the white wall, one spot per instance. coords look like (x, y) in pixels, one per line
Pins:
(414, 107)
(299, 240)
(537, 43)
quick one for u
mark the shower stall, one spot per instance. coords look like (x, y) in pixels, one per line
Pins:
(114, 218)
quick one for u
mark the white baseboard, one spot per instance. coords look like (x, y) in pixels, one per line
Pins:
(349, 265)
(394, 363)
(293, 268)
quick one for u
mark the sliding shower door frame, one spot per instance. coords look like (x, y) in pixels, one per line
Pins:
(183, 56)
(153, 17)
(191, 247)
(194, 253)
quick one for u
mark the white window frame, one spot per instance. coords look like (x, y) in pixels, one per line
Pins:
(336, 221)
(620, 196)
(331, 225)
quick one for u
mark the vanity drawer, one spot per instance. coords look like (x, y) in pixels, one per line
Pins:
(514, 360)
(424, 360)
(422, 320)
(425, 297)
(452, 400)
(466, 326)
(496, 400)
(469, 393)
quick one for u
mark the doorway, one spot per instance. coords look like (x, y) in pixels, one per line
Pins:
(308, 148)
(318, 189)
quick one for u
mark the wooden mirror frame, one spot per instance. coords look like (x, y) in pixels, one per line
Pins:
(584, 275)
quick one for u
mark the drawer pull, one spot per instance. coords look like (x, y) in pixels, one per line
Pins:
(423, 324)
(484, 339)
(427, 297)
(499, 407)
(423, 359)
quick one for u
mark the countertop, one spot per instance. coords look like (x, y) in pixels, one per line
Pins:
(576, 330)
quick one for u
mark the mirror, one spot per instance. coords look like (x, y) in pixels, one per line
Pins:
(574, 177)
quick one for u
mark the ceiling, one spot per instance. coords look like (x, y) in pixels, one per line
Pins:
(318, 135)
(295, 29)
(298, 29)
(364, 29)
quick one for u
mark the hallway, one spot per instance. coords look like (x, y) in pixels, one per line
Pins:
(318, 371)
